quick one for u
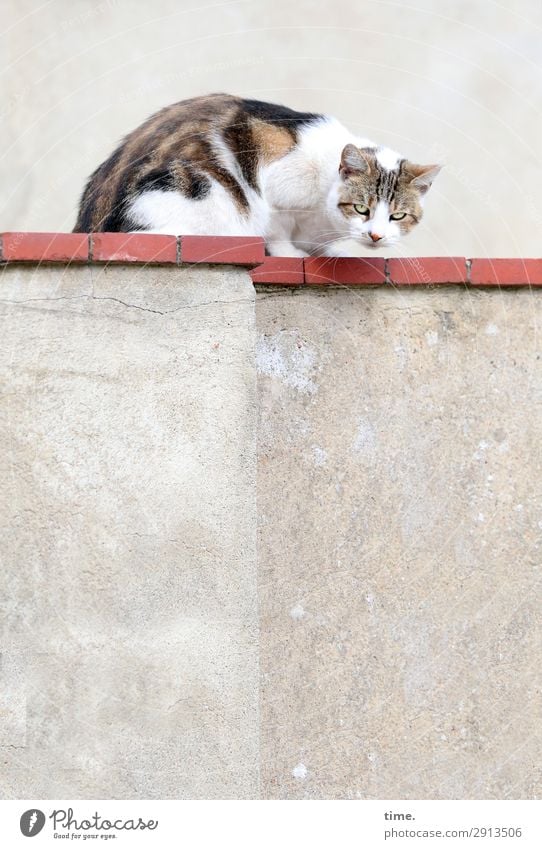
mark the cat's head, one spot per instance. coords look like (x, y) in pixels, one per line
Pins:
(378, 196)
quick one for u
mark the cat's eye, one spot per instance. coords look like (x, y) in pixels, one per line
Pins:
(397, 216)
(361, 208)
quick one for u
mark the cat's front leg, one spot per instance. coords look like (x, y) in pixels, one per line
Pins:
(283, 248)
(280, 233)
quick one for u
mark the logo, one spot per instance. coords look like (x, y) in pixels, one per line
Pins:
(32, 822)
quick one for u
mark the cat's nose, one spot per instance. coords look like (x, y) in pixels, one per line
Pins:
(375, 237)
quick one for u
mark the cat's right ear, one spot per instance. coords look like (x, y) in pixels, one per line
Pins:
(352, 162)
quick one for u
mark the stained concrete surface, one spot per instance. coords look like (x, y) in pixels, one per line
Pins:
(129, 621)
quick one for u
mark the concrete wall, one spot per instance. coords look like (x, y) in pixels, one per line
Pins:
(399, 546)
(392, 648)
(128, 534)
(458, 80)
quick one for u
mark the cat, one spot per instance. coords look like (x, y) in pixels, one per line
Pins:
(228, 166)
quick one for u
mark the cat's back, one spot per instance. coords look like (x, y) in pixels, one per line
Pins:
(187, 148)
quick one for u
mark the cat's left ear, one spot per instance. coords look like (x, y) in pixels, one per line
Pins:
(352, 161)
(422, 175)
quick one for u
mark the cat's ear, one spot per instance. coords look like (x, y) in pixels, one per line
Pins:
(422, 176)
(352, 161)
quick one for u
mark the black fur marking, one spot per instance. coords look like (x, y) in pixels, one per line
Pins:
(386, 184)
(378, 182)
(116, 221)
(130, 226)
(231, 184)
(388, 180)
(92, 190)
(280, 116)
(198, 185)
(158, 178)
(86, 208)
(399, 170)
(238, 137)
(224, 177)
(193, 184)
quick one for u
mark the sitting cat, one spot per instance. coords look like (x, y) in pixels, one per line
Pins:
(222, 165)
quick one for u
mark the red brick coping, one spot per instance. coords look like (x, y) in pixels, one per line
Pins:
(149, 249)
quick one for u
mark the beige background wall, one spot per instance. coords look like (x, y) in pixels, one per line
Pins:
(454, 80)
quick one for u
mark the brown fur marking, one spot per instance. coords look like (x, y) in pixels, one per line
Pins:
(175, 149)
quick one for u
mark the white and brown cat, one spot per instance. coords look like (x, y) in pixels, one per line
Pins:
(222, 165)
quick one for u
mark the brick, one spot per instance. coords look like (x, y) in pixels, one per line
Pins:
(427, 271)
(45, 247)
(506, 272)
(280, 271)
(148, 248)
(232, 250)
(344, 271)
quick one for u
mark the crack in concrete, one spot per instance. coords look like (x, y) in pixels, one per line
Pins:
(126, 304)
